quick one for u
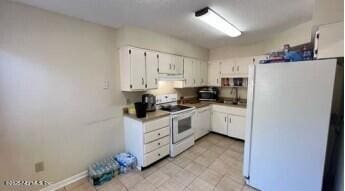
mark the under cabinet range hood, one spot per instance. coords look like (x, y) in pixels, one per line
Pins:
(170, 77)
(170, 67)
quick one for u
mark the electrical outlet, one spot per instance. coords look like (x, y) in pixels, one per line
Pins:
(106, 84)
(39, 166)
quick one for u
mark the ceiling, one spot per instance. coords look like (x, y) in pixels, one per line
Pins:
(257, 19)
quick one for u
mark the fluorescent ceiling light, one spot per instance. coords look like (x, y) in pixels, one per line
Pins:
(210, 17)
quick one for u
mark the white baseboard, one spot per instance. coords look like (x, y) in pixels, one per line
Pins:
(65, 182)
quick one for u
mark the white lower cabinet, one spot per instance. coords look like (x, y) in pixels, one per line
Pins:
(236, 126)
(147, 141)
(230, 121)
(219, 122)
(202, 122)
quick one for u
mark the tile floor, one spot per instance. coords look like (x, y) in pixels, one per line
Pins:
(213, 163)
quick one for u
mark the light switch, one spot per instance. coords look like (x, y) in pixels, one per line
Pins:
(106, 84)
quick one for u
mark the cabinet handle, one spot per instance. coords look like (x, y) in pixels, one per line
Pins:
(194, 81)
(169, 66)
(159, 134)
(225, 119)
(217, 80)
(232, 68)
(156, 81)
(159, 154)
(159, 143)
(238, 68)
(142, 81)
(229, 119)
(174, 66)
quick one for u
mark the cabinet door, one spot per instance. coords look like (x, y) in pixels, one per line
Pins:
(137, 60)
(219, 122)
(205, 119)
(236, 126)
(177, 64)
(227, 68)
(196, 73)
(331, 40)
(241, 68)
(165, 63)
(188, 72)
(196, 125)
(151, 70)
(213, 74)
(203, 73)
(202, 122)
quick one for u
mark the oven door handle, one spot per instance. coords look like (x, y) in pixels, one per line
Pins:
(185, 115)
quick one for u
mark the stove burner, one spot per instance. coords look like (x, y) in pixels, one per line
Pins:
(174, 108)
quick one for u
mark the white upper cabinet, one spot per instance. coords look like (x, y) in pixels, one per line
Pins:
(133, 69)
(137, 62)
(188, 72)
(214, 74)
(177, 64)
(151, 70)
(227, 67)
(241, 68)
(330, 40)
(203, 73)
(170, 64)
(235, 67)
(165, 63)
(196, 73)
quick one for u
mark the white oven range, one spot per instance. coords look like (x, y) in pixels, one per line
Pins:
(181, 123)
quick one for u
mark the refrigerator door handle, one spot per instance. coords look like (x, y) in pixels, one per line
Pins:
(248, 134)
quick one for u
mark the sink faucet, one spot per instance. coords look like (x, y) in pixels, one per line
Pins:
(235, 101)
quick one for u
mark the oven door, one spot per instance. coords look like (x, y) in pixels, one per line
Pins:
(182, 126)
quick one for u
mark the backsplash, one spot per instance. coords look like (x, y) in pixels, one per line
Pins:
(167, 87)
(164, 87)
(226, 92)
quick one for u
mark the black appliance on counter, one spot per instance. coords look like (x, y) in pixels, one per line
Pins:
(150, 100)
(208, 94)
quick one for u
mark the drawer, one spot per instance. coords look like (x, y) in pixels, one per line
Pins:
(229, 110)
(154, 135)
(156, 124)
(155, 155)
(156, 144)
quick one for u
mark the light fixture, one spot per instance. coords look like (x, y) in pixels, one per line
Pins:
(212, 18)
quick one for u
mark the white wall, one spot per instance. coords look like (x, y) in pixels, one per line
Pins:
(328, 11)
(142, 38)
(53, 107)
(294, 36)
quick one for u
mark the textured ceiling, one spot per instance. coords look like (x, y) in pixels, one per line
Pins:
(257, 19)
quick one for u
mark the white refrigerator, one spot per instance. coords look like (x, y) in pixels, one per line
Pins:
(288, 118)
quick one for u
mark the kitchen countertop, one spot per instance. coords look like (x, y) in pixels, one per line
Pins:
(160, 113)
(149, 115)
(201, 104)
